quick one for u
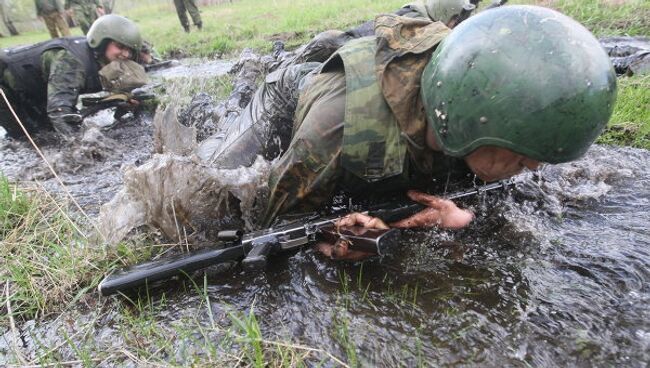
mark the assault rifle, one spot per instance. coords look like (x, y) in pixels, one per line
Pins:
(253, 248)
(92, 105)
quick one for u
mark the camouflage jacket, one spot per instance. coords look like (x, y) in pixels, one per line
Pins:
(82, 3)
(311, 170)
(45, 7)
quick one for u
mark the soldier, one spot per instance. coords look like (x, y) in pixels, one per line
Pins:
(388, 113)
(84, 12)
(51, 11)
(188, 6)
(43, 81)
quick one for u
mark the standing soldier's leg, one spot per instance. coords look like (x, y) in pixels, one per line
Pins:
(80, 18)
(61, 24)
(50, 23)
(182, 16)
(191, 7)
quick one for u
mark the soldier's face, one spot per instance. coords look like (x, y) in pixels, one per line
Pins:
(495, 163)
(117, 51)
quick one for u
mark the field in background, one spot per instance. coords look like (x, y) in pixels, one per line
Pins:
(230, 27)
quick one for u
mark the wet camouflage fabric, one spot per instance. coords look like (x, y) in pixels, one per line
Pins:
(307, 175)
(188, 6)
(264, 126)
(84, 12)
(373, 148)
(66, 77)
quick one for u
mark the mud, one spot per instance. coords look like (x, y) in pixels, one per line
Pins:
(91, 166)
(555, 273)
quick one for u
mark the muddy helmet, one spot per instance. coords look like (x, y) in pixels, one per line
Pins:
(444, 10)
(525, 78)
(116, 28)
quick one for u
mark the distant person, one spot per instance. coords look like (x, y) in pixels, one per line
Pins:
(44, 81)
(188, 6)
(4, 14)
(51, 12)
(108, 6)
(84, 12)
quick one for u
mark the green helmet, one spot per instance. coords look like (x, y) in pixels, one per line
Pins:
(444, 10)
(116, 28)
(525, 78)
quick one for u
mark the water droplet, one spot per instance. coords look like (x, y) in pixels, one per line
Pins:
(483, 119)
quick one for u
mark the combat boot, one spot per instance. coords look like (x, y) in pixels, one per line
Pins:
(199, 25)
(187, 29)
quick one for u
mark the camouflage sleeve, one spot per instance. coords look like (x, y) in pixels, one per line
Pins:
(67, 4)
(65, 78)
(305, 177)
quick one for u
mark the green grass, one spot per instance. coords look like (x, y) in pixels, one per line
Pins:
(46, 261)
(630, 123)
(230, 27)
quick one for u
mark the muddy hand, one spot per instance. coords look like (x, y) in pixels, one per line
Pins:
(340, 250)
(441, 213)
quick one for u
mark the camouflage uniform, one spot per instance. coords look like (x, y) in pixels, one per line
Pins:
(360, 131)
(52, 13)
(188, 6)
(84, 12)
(59, 78)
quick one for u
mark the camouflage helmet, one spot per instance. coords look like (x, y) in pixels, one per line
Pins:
(445, 10)
(116, 28)
(525, 78)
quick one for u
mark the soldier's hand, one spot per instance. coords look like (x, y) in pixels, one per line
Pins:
(340, 250)
(441, 213)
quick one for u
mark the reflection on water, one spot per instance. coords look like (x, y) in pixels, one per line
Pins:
(556, 273)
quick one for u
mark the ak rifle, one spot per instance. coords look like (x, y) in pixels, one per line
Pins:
(92, 105)
(252, 249)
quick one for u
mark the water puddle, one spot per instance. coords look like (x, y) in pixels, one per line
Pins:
(554, 273)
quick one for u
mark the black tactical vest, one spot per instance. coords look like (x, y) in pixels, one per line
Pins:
(25, 65)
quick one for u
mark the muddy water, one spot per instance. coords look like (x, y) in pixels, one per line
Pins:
(91, 166)
(555, 273)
